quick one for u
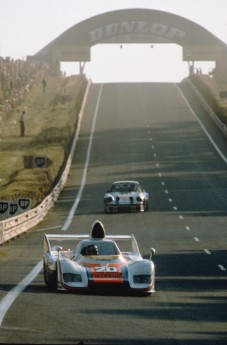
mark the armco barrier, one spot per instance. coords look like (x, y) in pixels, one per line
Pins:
(211, 113)
(14, 226)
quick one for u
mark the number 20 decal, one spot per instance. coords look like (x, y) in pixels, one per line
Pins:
(105, 269)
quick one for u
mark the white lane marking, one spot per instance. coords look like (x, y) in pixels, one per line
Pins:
(203, 128)
(207, 251)
(222, 268)
(163, 183)
(181, 217)
(175, 208)
(187, 227)
(8, 300)
(170, 200)
(196, 239)
(79, 194)
(160, 174)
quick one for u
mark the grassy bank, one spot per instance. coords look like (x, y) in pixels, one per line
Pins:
(50, 121)
(211, 90)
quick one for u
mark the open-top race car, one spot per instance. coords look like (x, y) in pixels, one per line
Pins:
(126, 196)
(97, 262)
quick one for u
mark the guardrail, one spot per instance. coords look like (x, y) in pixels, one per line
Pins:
(211, 113)
(14, 226)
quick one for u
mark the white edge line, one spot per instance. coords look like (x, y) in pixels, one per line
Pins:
(202, 126)
(8, 300)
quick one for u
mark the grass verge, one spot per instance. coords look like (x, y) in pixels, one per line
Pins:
(50, 122)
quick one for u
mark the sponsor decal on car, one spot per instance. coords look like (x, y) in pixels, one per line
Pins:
(110, 273)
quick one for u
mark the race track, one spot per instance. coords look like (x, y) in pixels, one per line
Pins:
(148, 132)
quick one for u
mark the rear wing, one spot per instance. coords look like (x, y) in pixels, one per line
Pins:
(48, 239)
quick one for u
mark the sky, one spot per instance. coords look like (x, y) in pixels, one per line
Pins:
(26, 26)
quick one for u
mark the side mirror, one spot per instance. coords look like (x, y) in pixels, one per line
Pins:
(59, 248)
(152, 253)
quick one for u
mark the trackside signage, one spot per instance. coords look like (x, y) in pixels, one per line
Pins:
(34, 162)
(24, 204)
(4, 207)
(13, 208)
(142, 28)
(39, 162)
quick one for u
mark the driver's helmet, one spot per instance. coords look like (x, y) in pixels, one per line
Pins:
(91, 250)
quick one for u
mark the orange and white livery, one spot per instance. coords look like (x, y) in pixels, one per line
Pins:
(96, 261)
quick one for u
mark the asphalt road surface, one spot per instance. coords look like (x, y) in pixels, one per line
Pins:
(151, 133)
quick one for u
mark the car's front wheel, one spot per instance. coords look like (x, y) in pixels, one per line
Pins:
(50, 277)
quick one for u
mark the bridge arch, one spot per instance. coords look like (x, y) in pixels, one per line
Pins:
(137, 25)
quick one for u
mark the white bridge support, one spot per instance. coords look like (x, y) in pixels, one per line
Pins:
(15, 226)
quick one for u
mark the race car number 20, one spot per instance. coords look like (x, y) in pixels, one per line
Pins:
(105, 269)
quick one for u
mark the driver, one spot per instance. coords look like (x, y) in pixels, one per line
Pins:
(90, 250)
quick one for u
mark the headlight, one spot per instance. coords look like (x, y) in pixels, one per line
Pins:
(108, 199)
(71, 277)
(140, 198)
(142, 279)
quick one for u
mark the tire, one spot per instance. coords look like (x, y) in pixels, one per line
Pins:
(50, 278)
(106, 210)
(146, 206)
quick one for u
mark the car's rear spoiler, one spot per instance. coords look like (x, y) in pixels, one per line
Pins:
(79, 237)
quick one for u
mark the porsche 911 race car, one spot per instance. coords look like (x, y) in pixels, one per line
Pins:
(97, 262)
(126, 196)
